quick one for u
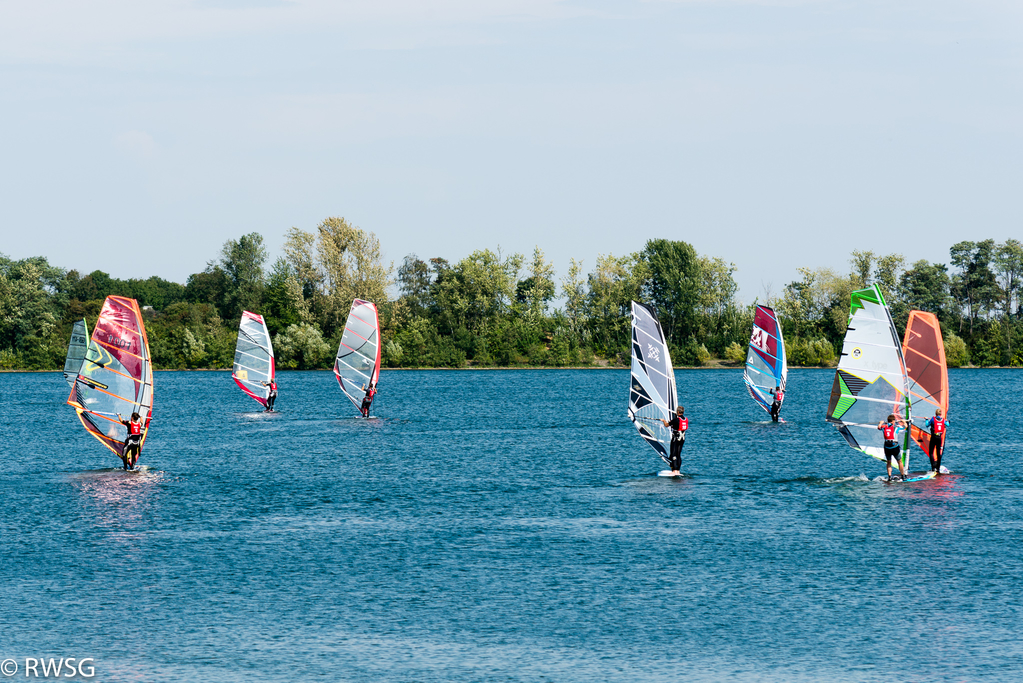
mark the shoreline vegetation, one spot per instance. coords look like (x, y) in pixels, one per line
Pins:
(493, 311)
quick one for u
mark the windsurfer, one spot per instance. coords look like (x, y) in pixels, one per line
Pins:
(133, 442)
(273, 394)
(679, 425)
(371, 391)
(891, 430)
(779, 396)
(938, 425)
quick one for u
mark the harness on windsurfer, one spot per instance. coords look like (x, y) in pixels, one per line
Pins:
(938, 426)
(133, 442)
(679, 424)
(371, 391)
(891, 430)
(273, 394)
(779, 396)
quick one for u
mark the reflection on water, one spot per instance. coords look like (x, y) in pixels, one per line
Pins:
(119, 501)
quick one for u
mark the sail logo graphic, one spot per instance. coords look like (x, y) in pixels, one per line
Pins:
(653, 352)
(759, 338)
(856, 353)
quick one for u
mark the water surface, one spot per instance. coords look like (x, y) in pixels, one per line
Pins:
(506, 526)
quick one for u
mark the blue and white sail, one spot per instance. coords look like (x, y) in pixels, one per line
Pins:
(652, 393)
(766, 367)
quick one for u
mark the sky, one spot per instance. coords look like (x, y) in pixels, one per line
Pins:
(138, 137)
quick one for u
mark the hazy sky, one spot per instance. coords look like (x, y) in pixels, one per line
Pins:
(773, 134)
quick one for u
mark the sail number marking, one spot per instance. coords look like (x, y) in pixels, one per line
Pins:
(118, 342)
(759, 338)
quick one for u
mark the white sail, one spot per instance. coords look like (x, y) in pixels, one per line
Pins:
(870, 383)
(652, 394)
(357, 364)
(254, 357)
(76, 350)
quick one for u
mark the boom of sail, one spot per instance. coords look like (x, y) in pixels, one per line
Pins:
(927, 370)
(76, 349)
(652, 394)
(116, 376)
(765, 358)
(357, 364)
(870, 382)
(254, 357)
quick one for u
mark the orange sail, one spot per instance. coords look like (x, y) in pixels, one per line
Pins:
(116, 375)
(924, 351)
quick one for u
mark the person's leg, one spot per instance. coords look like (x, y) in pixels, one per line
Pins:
(941, 451)
(888, 461)
(932, 448)
(774, 410)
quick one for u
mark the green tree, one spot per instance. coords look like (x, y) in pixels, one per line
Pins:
(31, 305)
(925, 287)
(613, 285)
(208, 287)
(673, 286)
(1008, 264)
(862, 266)
(536, 291)
(242, 261)
(301, 347)
(573, 289)
(283, 303)
(974, 286)
(350, 267)
(414, 282)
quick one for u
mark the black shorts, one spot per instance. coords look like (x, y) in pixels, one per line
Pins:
(892, 452)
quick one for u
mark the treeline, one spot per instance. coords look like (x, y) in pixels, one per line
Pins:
(494, 309)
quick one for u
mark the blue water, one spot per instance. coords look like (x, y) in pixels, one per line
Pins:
(507, 526)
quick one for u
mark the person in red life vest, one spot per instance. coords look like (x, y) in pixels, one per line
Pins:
(273, 394)
(133, 442)
(779, 396)
(371, 391)
(679, 424)
(891, 430)
(938, 426)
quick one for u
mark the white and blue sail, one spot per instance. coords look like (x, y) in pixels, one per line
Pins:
(871, 381)
(652, 393)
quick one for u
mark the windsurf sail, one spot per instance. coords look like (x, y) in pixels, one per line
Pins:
(76, 349)
(116, 375)
(254, 357)
(927, 370)
(765, 359)
(652, 394)
(870, 383)
(358, 355)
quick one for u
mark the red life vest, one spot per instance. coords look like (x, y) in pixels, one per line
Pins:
(937, 426)
(889, 432)
(683, 424)
(779, 395)
(371, 393)
(273, 385)
(134, 428)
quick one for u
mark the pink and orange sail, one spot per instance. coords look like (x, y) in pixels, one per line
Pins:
(116, 375)
(927, 371)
